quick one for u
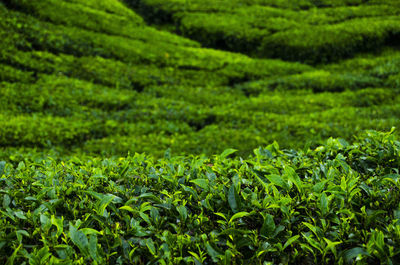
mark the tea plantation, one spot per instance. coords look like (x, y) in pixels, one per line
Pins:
(199, 132)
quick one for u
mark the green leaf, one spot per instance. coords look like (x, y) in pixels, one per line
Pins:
(20, 215)
(58, 223)
(127, 208)
(293, 177)
(312, 242)
(343, 183)
(13, 256)
(324, 204)
(212, 252)
(350, 254)
(145, 217)
(150, 246)
(182, 212)
(45, 222)
(155, 215)
(261, 180)
(290, 241)
(202, 183)
(227, 152)
(40, 256)
(268, 226)
(124, 170)
(332, 246)
(93, 247)
(196, 257)
(97, 195)
(6, 201)
(319, 186)
(150, 196)
(232, 198)
(222, 215)
(105, 201)
(2, 166)
(314, 229)
(277, 181)
(21, 233)
(90, 231)
(228, 257)
(79, 239)
(30, 198)
(238, 215)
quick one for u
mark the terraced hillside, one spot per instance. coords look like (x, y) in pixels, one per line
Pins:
(313, 31)
(93, 76)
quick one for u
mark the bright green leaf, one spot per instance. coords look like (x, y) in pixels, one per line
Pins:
(238, 215)
(290, 241)
(227, 152)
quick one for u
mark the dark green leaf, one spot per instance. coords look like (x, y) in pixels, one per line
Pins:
(212, 252)
(232, 199)
(2, 166)
(93, 247)
(79, 239)
(105, 201)
(202, 183)
(324, 204)
(277, 181)
(6, 201)
(350, 254)
(182, 212)
(268, 226)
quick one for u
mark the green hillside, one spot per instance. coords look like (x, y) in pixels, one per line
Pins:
(86, 86)
(93, 77)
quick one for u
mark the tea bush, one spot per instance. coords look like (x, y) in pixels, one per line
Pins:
(329, 29)
(322, 44)
(110, 122)
(318, 81)
(338, 203)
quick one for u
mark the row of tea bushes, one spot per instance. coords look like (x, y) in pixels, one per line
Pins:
(322, 44)
(316, 35)
(317, 81)
(193, 100)
(197, 120)
(116, 61)
(128, 24)
(81, 42)
(116, 74)
(243, 129)
(338, 203)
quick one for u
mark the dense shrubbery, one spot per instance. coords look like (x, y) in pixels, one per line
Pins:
(327, 43)
(338, 203)
(184, 102)
(84, 82)
(264, 29)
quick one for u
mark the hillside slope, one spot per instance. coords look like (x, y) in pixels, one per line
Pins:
(311, 31)
(92, 77)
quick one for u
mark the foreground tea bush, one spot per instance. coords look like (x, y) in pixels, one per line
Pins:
(338, 203)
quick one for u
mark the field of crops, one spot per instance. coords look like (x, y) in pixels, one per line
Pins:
(199, 131)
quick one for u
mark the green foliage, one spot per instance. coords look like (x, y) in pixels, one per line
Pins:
(84, 82)
(322, 44)
(322, 31)
(335, 204)
(317, 81)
